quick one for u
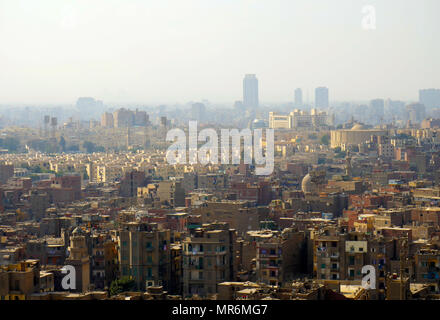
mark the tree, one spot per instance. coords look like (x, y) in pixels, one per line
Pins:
(121, 285)
(325, 139)
(91, 147)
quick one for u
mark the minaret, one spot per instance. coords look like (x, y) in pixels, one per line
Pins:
(79, 259)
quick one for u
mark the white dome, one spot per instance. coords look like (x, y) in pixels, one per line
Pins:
(358, 126)
(306, 184)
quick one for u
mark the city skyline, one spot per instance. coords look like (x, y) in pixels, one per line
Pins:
(218, 157)
(132, 57)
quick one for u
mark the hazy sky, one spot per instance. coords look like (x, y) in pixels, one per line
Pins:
(167, 51)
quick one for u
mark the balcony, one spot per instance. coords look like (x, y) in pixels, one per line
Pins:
(268, 255)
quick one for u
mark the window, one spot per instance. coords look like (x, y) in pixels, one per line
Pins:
(351, 260)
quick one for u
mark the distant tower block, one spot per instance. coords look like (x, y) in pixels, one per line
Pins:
(147, 137)
(53, 125)
(163, 126)
(128, 137)
(163, 121)
(46, 125)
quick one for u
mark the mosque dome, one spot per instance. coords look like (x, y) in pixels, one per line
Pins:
(306, 184)
(358, 126)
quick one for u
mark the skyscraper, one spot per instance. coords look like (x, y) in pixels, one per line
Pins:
(430, 98)
(321, 98)
(250, 91)
(198, 111)
(377, 110)
(415, 112)
(298, 97)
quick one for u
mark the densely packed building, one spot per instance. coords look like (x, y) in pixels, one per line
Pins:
(133, 226)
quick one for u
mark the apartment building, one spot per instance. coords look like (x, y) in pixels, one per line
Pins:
(131, 182)
(172, 193)
(241, 215)
(103, 261)
(280, 256)
(144, 254)
(19, 281)
(209, 257)
(427, 262)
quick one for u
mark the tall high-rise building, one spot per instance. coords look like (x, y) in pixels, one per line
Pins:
(430, 98)
(298, 97)
(89, 107)
(107, 120)
(85, 103)
(377, 107)
(321, 97)
(198, 111)
(250, 91)
(415, 112)
(123, 118)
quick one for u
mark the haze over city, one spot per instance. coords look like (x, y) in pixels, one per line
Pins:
(226, 157)
(53, 52)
